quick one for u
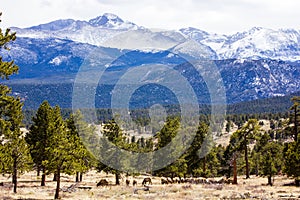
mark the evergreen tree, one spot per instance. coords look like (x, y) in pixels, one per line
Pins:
(245, 135)
(39, 136)
(168, 132)
(177, 166)
(6, 68)
(292, 149)
(114, 134)
(292, 160)
(65, 150)
(231, 155)
(196, 165)
(14, 153)
(271, 161)
(295, 116)
(256, 154)
(78, 128)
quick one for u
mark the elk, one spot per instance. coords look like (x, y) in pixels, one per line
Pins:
(147, 180)
(102, 182)
(134, 183)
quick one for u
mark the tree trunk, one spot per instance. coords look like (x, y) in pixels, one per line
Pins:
(246, 160)
(43, 177)
(80, 177)
(204, 166)
(297, 182)
(15, 171)
(229, 172)
(234, 172)
(57, 184)
(295, 124)
(38, 171)
(117, 179)
(55, 177)
(270, 182)
(77, 177)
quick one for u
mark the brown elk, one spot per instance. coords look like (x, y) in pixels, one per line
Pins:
(164, 181)
(147, 180)
(102, 182)
(134, 183)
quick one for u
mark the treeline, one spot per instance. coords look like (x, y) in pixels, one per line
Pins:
(141, 115)
(61, 94)
(269, 105)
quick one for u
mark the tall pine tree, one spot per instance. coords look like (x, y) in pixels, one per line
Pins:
(245, 135)
(39, 136)
(77, 129)
(14, 152)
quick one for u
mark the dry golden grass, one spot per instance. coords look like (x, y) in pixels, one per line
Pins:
(253, 188)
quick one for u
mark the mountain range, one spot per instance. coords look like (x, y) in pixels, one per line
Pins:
(257, 63)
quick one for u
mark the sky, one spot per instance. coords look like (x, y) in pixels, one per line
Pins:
(215, 16)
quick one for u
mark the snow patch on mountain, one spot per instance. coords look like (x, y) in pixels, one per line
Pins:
(195, 50)
(58, 60)
(141, 39)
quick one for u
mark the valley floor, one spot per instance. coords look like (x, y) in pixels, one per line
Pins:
(253, 188)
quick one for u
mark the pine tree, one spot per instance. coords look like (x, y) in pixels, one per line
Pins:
(39, 136)
(65, 150)
(114, 134)
(7, 68)
(271, 160)
(256, 154)
(168, 132)
(196, 165)
(14, 152)
(231, 155)
(177, 166)
(245, 135)
(78, 128)
(292, 160)
(292, 149)
(295, 117)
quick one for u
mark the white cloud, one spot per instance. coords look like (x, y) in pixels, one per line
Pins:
(223, 16)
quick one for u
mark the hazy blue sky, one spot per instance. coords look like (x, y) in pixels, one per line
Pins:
(221, 16)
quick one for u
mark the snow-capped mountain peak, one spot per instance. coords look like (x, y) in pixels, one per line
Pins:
(112, 21)
(261, 42)
(109, 30)
(104, 19)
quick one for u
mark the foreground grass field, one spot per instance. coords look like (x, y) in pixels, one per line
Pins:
(253, 188)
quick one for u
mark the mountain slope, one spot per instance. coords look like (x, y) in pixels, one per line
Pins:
(111, 31)
(255, 43)
(255, 64)
(56, 61)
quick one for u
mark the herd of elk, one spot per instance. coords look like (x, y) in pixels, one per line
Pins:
(164, 181)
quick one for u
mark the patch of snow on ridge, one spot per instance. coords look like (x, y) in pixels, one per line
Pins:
(58, 60)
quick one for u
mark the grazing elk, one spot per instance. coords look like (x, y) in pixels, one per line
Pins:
(134, 183)
(102, 182)
(147, 180)
(170, 181)
(164, 181)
